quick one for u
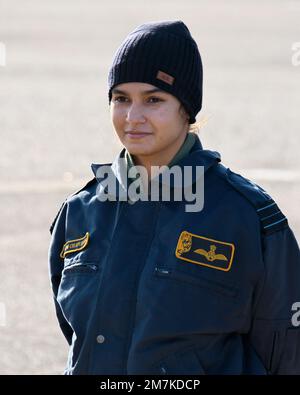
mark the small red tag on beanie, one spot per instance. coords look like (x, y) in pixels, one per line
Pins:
(165, 77)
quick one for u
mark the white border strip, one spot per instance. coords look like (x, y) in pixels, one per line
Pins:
(2, 314)
(2, 54)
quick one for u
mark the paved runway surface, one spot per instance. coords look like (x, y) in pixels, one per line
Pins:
(54, 122)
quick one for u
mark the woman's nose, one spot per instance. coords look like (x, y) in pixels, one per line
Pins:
(135, 114)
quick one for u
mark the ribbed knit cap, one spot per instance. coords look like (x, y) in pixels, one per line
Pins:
(165, 55)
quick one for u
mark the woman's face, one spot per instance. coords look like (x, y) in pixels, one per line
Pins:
(148, 121)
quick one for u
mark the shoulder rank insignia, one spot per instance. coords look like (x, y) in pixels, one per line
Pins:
(204, 251)
(75, 245)
(271, 217)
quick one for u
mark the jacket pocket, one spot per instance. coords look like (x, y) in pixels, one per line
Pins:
(80, 268)
(76, 294)
(191, 278)
(181, 363)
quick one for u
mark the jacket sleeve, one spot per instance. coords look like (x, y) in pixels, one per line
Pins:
(275, 332)
(56, 265)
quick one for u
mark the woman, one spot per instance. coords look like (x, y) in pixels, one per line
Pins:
(159, 286)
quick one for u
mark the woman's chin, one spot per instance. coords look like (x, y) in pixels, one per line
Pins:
(138, 149)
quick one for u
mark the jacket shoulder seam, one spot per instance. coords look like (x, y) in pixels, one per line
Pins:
(66, 201)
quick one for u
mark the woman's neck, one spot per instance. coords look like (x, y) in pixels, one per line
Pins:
(159, 159)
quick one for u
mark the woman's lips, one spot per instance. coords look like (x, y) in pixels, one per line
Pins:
(137, 135)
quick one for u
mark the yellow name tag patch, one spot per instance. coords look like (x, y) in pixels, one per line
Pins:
(75, 245)
(204, 251)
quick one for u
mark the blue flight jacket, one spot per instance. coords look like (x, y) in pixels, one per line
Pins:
(148, 288)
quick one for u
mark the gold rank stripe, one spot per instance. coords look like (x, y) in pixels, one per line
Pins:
(75, 245)
(184, 246)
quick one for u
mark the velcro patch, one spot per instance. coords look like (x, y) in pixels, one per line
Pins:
(204, 251)
(75, 245)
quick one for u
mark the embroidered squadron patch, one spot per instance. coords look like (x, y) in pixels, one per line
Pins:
(75, 245)
(204, 251)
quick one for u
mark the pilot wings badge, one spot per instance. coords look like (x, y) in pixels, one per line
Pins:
(205, 251)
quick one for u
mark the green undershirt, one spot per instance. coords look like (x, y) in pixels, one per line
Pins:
(181, 153)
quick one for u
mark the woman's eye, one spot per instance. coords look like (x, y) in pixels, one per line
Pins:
(119, 98)
(122, 99)
(156, 99)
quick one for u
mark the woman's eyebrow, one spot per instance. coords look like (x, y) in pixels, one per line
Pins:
(147, 92)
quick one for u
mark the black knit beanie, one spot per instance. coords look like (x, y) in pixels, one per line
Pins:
(165, 55)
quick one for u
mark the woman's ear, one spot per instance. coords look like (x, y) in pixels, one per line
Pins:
(183, 112)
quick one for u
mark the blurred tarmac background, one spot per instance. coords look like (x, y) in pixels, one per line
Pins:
(54, 122)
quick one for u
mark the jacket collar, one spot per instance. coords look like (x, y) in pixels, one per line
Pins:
(118, 169)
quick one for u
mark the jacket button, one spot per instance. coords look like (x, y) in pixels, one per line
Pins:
(100, 339)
